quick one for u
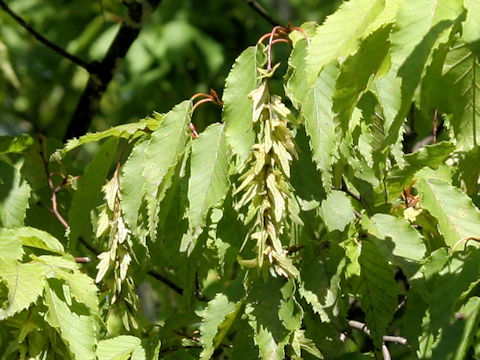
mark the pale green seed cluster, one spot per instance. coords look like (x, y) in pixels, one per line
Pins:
(265, 185)
(118, 256)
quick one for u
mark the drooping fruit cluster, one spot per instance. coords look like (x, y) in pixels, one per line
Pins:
(118, 256)
(265, 186)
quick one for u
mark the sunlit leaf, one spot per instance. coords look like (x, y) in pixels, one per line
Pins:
(237, 111)
(118, 348)
(76, 327)
(338, 36)
(14, 195)
(208, 182)
(337, 211)
(397, 241)
(458, 218)
(25, 284)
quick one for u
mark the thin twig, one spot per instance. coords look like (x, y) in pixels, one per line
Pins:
(166, 281)
(349, 192)
(87, 245)
(54, 189)
(388, 338)
(44, 40)
(54, 200)
(435, 126)
(262, 12)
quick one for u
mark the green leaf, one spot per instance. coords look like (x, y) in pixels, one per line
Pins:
(337, 211)
(319, 122)
(117, 348)
(35, 238)
(213, 316)
(162, 154)
(447, 286)
(10, 245)
(430, 155)
(458, 218)
(356, 72)
(264, 300)
(456, 339)
(126, 131)
(472, 315)
(296, 86)
(300, 342)
(415, 19)
(89, 189)
(471, 27)
(388, 92)
(15, 144)
(25, 284)
(290, 311)
(237, 109)
(462, 85)
(76, 328)
(14, 195)
(132, 189)
(397, 240)
(320, 279)
(82, 286)
(421, 27)
(208, 183)
(378, 291)
(338, 36)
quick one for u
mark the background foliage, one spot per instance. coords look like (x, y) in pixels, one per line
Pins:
(328, 210)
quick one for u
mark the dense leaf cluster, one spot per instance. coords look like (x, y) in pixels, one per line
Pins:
(333, 217)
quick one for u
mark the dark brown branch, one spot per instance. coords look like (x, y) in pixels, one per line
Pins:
(349, 192)
(88, 246)
(262, 12)
(101, 74)
(166, 281)
(42, 39)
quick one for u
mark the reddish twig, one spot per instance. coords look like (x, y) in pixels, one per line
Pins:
(212, 97)
(203, 101)
(54, 189)
(269, 48)
(276, 41)
(435, 126)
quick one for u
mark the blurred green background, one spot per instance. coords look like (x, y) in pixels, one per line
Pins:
(188, 46)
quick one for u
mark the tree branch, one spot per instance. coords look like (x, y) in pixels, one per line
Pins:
(42, 39)
(54, 189)
(166, 281)
(101, 74)
(387, 338)
(262, 12)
